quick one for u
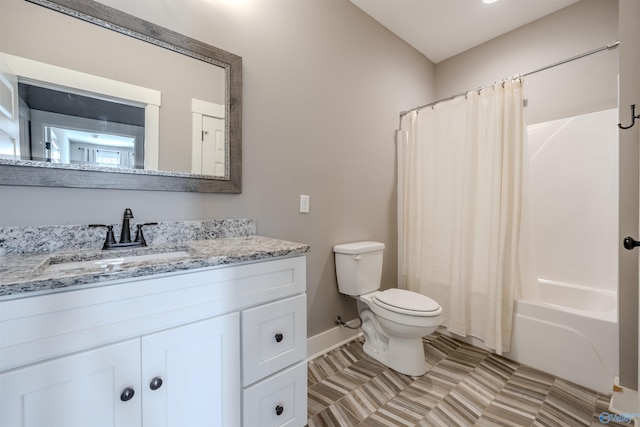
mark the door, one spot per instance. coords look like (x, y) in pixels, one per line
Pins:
(191, 374)
(92, 388)
(9, 118)
(213, 146)
(208, 143)
(629, 141)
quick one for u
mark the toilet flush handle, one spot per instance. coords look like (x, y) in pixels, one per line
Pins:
(357, 257)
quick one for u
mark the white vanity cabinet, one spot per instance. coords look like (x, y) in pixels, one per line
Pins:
(203, 347)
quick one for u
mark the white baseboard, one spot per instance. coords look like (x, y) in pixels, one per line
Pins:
(624, 401)
(323, 342)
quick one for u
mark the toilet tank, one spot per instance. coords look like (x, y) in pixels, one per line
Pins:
(358, 267)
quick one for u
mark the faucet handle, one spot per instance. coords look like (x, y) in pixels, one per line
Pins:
(139, 236)
(111, 239)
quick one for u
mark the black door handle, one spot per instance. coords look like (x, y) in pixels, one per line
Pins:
(629, 243)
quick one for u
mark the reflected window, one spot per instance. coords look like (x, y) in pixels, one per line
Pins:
(106, 157)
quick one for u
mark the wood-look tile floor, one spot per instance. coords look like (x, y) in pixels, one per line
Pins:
(464, 386)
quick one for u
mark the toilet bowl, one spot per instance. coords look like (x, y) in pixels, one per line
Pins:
(393, 333)
(394, 320)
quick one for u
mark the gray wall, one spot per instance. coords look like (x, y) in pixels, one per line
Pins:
(323, 86)
(579, 87)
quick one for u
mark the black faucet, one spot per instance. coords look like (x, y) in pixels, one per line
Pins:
(125, 233)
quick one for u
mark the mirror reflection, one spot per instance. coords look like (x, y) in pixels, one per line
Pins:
(182, 79)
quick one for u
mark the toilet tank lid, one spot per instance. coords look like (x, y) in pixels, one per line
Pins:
(358, 247)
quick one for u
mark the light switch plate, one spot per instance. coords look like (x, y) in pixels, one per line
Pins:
(304, 203)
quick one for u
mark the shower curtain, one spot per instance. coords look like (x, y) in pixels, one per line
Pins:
(464, 235)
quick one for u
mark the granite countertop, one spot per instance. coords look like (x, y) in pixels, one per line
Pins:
(28, 274)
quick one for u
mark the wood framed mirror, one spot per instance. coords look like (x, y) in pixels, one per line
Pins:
(89, 16)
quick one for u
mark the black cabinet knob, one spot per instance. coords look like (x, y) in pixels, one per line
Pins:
(127, 394)
(279, 410)
(156, 383)
(279, 337)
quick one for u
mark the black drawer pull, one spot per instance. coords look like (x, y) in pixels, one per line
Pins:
(279, 337)
(279, 410)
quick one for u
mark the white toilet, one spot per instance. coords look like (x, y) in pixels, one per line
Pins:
(393, 321)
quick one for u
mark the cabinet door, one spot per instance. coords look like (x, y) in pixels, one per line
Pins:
(199, 369)
(80, 390)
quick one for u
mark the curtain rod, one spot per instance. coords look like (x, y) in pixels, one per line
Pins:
(610, 46)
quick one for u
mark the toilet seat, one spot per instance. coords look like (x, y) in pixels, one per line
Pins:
(407, 302)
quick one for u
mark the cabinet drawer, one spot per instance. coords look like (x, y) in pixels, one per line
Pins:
(280, 400)
(273, 337)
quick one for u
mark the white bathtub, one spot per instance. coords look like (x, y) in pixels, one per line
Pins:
(570, 332)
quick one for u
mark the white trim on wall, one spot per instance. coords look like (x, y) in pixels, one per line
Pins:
(69, 78)
(326, 341)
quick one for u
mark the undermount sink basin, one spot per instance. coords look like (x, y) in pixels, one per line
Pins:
(110, 262)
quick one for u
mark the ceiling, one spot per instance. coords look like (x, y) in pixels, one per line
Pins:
(441, 29)
(71, 104)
